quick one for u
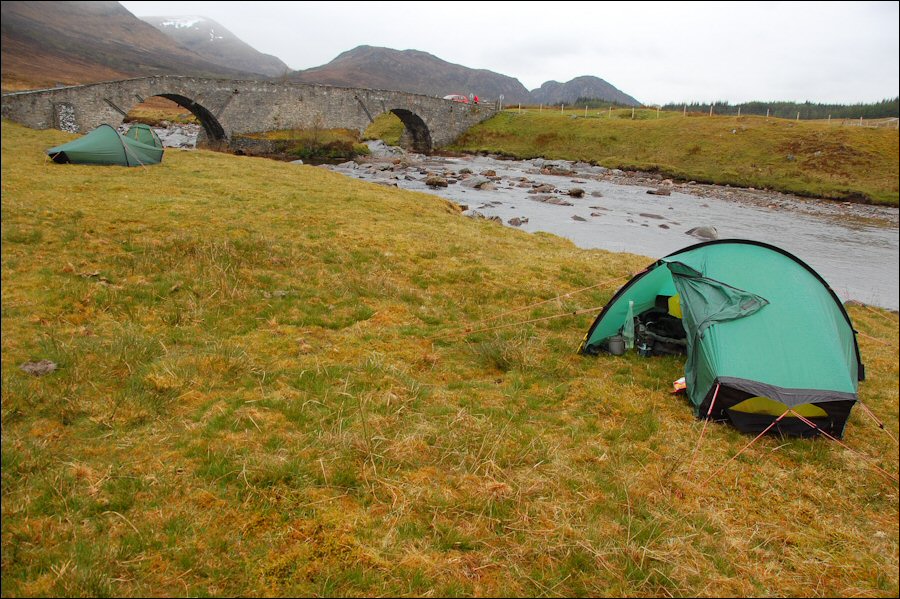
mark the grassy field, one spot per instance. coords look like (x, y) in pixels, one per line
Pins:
(806, 158)
(251, 400)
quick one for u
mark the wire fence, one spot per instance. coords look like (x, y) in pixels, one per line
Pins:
(645, 112)
(890, 123)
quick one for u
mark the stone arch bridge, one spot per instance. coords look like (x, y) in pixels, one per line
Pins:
(229, 107)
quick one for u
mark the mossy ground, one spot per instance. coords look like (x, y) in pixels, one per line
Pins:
(251, 400)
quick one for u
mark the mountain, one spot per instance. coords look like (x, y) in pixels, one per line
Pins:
(218, 45)
(554, 92)
(422, 73)
(46, 43)
(411, 71)
(49, 43)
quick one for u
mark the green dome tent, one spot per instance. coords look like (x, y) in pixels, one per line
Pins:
(144, 134)
(768, 343)
(105, 145)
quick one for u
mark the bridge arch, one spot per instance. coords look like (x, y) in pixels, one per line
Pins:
(211, 125)
(418, 130)
(213, 129)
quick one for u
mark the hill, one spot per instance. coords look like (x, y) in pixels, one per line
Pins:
(411, 71)
(49, 43)
(253, 398)
(217, 44)
(555, 93)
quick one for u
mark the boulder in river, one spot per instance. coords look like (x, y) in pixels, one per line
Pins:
(548, 199)
(476, 182)
(703, 232)
(543, 188)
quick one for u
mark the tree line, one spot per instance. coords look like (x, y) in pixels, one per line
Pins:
(789, 110)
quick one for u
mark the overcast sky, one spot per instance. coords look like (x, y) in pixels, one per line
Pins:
(658, 52)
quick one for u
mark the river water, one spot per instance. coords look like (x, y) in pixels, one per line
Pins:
(854, 248)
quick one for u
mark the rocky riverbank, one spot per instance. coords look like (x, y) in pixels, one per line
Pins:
(769, 199)
(390, 165)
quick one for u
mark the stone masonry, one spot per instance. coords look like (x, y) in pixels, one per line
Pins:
(228, 107)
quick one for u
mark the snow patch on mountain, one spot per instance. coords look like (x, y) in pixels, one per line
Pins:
(182, 22)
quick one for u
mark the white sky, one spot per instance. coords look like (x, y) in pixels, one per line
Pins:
(658, 52)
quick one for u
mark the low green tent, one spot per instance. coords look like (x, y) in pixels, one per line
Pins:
(105, 145)
(768, 343)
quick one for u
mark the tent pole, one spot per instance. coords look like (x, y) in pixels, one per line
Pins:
(705, 422)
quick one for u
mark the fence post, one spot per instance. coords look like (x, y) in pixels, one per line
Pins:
(767, 113)
(562, 107)
(610, 111)
(798, 115)
(632, 113)
(684, 112)
(585, 111)
(739, 111)
(657, 112)
(710, 110)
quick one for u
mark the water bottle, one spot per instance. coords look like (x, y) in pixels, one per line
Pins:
(628, 329)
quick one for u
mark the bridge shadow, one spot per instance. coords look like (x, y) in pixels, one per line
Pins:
(215, 133)
(417, 129)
